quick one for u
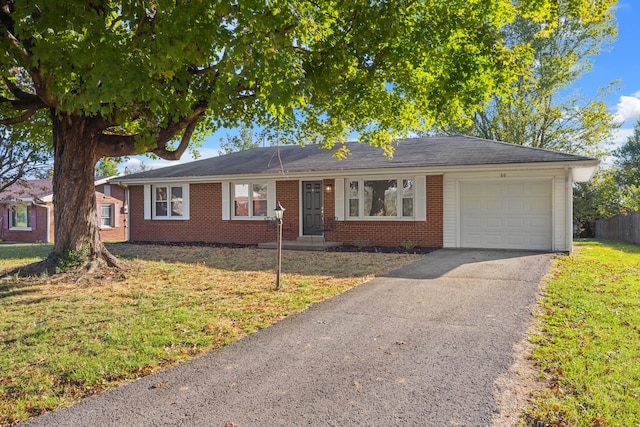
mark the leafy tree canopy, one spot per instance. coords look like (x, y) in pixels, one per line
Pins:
(125, 78)
(628, 160)
(537, 111)
(245, 140)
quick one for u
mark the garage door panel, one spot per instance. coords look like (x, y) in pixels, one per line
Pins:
(494, 205)
(506, 214)
(493, 222)
(515, 223)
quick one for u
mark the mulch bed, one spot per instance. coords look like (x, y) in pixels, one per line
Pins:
(417, 250)
(382, 249)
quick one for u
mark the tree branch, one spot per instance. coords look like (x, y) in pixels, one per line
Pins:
(184, 143)
(23, 117)
(110, 145)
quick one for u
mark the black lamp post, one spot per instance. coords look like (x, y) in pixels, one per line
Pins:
(279, 214)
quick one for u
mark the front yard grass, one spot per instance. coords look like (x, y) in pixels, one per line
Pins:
(589, 342)
(62, 341)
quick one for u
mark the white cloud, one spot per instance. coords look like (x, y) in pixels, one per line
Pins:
(628, 108)
(621, 135)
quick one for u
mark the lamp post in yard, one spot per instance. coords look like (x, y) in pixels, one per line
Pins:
(279, 213)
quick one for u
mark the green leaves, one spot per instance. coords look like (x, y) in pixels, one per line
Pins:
(330, 68)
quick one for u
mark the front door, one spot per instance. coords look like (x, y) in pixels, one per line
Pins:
(311, 208)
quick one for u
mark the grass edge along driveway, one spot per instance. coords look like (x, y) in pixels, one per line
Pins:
(588, 340)
(61, 341)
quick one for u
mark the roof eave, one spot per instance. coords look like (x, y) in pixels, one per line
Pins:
(582, 168)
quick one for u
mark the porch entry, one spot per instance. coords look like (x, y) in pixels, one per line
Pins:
(312, 208)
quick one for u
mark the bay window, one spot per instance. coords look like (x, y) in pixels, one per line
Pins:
(380, 198)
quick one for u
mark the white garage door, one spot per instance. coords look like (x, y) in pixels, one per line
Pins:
(506, 214)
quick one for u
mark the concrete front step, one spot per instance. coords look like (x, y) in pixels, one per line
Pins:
(304, 243)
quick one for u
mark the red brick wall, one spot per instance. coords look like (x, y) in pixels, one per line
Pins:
(119, 229)
(206, 224)
(391, 233)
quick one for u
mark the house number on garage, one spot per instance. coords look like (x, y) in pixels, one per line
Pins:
(503, 175)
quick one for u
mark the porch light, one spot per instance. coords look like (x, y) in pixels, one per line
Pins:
(279, 214)
(328, 188)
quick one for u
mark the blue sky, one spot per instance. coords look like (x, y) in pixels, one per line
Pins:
(621, 62)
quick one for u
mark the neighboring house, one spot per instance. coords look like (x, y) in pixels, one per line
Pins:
(27, 211)
(452, 192)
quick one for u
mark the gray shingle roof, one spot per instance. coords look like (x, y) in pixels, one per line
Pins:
(29, 189)
(455, 150)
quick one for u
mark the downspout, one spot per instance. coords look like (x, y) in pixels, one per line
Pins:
(126, 212)
(48, 239)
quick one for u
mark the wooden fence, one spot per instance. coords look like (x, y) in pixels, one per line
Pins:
(623, 227)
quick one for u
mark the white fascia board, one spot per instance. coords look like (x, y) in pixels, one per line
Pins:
(104, 180)
(430, 170)
(583, 173)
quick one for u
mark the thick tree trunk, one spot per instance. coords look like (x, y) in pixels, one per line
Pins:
(76, 229)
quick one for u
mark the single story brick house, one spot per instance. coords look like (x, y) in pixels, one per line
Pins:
(27, 211)
(452, 191)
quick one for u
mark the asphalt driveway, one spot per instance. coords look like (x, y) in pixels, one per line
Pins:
(422, 346)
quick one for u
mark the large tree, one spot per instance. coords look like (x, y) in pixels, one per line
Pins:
(245, 139)
(627, 160)
(124, 78)
(540, 111)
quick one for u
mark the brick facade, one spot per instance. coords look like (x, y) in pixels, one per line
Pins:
(118, 230)
(38, 234)
(205, 223)
(392, 233)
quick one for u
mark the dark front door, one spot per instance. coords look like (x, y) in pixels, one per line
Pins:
(311, 208)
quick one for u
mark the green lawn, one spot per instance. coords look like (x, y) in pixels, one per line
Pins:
(588, 347)
(61, 341)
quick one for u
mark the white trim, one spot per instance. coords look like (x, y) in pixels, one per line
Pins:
(147, 201)
(535, 167)
(271, 198)
(226, 201)
(420, 198)
(29, 215)
(112, 215)
(185, 202)
(339, 199)
(249, 185)
(399, 186)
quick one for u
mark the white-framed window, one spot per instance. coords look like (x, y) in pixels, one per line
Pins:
(20, 217)
(168, 201)
(250, 199)
(106, 215)
(375, 198)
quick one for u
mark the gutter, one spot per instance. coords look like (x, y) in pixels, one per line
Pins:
(346, 172)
